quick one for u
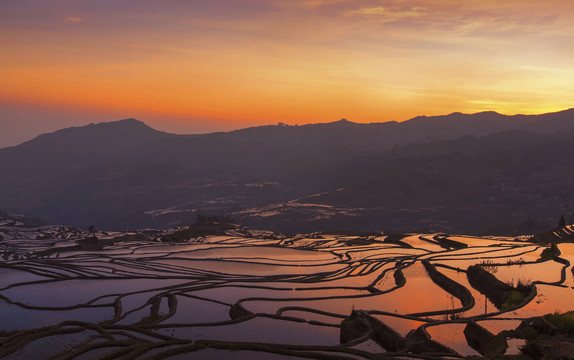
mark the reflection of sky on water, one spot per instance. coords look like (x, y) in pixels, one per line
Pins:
(188, 289)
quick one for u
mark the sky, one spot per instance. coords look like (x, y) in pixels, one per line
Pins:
(191, 66)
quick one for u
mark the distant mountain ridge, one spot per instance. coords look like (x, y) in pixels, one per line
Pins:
(443, 126)
(125, 174)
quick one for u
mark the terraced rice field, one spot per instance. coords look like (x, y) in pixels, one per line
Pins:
(264, 296)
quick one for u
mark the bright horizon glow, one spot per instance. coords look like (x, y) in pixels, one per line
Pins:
(193, 66)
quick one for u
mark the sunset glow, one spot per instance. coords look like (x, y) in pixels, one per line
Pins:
(190, 66)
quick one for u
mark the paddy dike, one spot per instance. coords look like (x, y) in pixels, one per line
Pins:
(68, 293)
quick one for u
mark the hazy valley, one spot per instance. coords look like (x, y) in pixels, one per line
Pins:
(478, 174)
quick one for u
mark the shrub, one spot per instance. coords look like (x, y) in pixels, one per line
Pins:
(523, 286)
(563, 321)
(549, 253)
(518, 261)
(514, 298)
(489, 266)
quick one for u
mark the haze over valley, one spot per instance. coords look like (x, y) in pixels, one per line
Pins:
(466, 173)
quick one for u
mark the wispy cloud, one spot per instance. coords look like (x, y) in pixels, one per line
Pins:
(313, 4)
(74, 19)
(389, 12)
(274, 59)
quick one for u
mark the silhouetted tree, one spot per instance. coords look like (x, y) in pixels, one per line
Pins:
(562, 221)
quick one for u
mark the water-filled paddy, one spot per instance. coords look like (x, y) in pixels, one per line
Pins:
(249, 297)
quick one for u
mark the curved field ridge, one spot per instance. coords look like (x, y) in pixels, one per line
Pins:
(67, 294)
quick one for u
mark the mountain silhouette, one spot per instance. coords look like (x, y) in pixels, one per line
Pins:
(458, 172)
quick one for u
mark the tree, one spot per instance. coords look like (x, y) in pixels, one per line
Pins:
(562, 221)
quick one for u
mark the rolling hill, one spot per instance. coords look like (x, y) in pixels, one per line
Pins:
(457, 173)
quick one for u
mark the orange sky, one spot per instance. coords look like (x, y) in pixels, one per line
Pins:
(195, 66)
